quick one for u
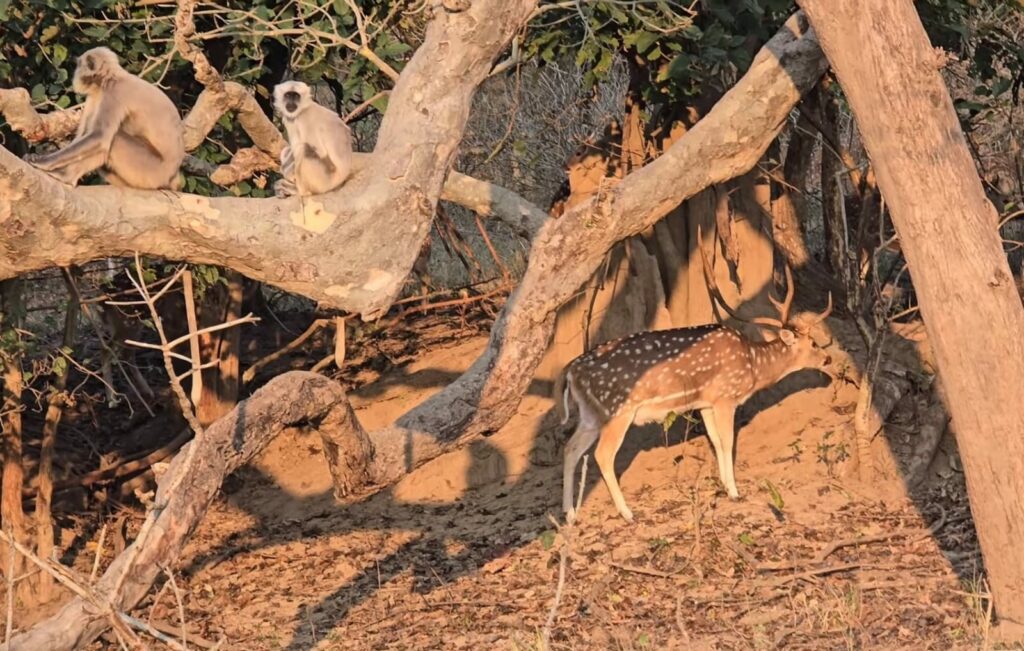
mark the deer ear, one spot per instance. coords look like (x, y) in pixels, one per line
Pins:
(787, 337)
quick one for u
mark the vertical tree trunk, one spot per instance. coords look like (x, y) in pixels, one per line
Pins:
(51, 423)
(221, 383)
(889, 72)
(789, 207)
(12, 514)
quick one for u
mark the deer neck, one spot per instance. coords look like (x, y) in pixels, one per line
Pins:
(770, 362)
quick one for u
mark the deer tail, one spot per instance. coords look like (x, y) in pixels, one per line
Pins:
(561, 396)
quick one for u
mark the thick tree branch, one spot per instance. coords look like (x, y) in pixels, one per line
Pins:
(489, 200)
(331, 248)
(726, 143)
(232, 441)
(16, 107)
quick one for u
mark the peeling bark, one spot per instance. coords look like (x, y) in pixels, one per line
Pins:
(330, 248)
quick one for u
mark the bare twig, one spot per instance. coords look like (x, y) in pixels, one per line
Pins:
(181, 605)
(807, 574)
(647, 571)
(99, 554)
(193, 338)
(250, 373)
(568, 531)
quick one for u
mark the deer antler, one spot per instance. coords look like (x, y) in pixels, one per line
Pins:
(709, 280)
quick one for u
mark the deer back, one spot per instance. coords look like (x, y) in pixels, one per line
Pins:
(664, 370)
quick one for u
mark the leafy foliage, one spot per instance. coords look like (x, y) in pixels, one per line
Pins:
(675, 54)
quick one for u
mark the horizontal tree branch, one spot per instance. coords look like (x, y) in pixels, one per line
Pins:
(351, 249)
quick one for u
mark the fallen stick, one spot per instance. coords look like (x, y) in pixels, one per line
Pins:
(807, 574)
(127, 466)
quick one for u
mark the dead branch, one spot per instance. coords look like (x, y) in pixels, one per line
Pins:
(809, 574)
(195, 478)
(254, 368)
(128, 466)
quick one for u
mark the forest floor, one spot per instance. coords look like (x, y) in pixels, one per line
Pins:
(464, 554)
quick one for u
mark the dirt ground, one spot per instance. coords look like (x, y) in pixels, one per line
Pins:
(463, 554)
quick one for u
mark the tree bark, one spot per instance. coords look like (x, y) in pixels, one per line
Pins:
(947, 227)
(56, 403)
(331, 247)
(729, 141)
(222, 303)
(12, 386)
(789, 208)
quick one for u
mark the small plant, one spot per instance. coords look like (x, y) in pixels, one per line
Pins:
(658, 544)
(774, 494)
(798, 450)
(831, 454)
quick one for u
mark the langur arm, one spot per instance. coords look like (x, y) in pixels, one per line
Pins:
(339, 150)
(99, 139)
(287, 163)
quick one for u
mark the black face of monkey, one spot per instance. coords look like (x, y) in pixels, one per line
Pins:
(291, 101)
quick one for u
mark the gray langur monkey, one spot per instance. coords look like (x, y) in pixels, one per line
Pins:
(129, 129)
(318, 157)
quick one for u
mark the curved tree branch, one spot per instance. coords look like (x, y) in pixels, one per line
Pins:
(565, 253)
(331, 248)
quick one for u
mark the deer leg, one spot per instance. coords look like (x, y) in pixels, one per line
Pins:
(711, 426)
(612, 435)
(724, 417)
(584, 436)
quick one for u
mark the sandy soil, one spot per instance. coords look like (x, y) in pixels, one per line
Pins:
(463, 555)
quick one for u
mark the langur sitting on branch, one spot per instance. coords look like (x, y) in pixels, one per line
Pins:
(129, 129)
(318, 157)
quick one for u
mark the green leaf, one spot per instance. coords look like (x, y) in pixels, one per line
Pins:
(774, 493)
(746, 539)
(644, 41)
(38, 93)
(60, 54)
(680, 67)
(60, 365)
(547, 539)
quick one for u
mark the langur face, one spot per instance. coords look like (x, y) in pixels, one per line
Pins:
(290, 97)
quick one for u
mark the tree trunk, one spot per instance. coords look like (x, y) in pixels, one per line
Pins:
(12, 513)
(789, 207)
(222, 303)
(889, 72)
(51, 423)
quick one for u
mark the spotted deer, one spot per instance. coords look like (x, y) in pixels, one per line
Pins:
(643, 377)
